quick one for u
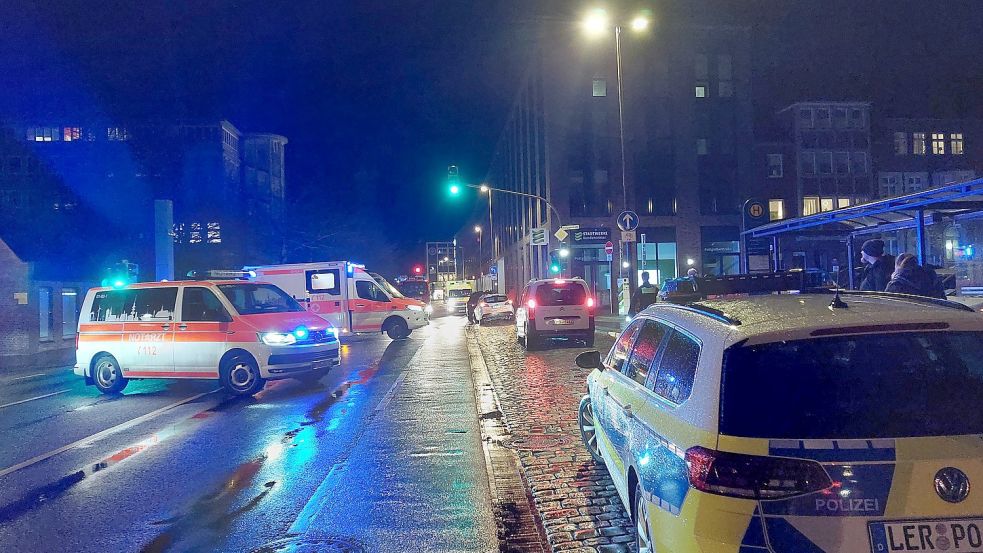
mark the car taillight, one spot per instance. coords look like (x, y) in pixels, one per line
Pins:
(531, 304)
(590, 302)
(753, 476)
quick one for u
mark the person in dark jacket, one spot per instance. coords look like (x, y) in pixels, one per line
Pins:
(879, 266)
(473, 300)
(644, 296)
(911, 278)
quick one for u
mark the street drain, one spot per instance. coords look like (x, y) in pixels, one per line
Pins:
(302, 544)
(537, 442)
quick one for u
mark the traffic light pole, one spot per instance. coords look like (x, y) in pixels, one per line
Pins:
(484, 187)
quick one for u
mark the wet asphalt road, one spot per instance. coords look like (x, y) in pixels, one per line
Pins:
(384, 453)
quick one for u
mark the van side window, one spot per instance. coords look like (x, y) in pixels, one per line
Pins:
(369, 291)
(153, 304)
(324, 281)
(111, 306)
(201, 305)
(619, 353)
(645, 350)
(677, 368)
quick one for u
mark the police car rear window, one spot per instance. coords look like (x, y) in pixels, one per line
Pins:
(566, 293)
(860, 387)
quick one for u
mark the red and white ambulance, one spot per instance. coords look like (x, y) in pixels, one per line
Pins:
(346, 295)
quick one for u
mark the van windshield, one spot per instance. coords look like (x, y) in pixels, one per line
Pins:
(252, 299)
(861, 386)
(384, 284)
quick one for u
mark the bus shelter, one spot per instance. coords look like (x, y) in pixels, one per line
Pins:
(953, 206)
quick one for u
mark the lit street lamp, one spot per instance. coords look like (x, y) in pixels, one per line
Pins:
(477, 229)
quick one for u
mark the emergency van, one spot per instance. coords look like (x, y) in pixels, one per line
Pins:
(241, 333)
(352, 299)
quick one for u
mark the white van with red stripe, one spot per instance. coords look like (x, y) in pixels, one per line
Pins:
(241, 333)
(352, 299)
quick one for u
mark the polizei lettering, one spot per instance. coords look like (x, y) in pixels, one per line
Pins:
(847, 505)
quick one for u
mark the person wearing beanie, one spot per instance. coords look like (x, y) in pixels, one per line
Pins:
(879, 266)
(911, 278)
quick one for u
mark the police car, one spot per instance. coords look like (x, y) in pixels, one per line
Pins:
(795, 422)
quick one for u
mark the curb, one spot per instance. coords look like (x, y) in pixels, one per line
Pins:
(519, 525)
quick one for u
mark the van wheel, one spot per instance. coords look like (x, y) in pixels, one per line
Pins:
(107, 376)
(588, 429)
(397, 330)
(240, 375)
(644, 539)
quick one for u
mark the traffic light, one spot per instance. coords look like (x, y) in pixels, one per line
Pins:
(453, 180)
(555, 265)
(417, 270)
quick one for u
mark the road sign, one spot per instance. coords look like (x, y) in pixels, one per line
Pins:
(539, 237)
(561, 234)
(609, 247)
(628, 236)
(628, 220)
(610, 257)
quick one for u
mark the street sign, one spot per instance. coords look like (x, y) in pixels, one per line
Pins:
(539, 237)
(609, 247)
(610, 257)
(628, 220)
(628, 236)
(561, 234)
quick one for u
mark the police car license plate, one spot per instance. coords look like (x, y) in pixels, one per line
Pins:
(954, 535)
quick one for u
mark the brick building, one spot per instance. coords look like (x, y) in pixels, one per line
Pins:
(687, 133)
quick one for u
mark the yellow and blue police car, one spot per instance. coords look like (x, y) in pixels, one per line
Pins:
(792, 423)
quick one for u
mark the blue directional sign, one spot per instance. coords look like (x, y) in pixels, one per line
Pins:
(628, 220)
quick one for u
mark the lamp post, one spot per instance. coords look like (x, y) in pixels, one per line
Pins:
(481, 270)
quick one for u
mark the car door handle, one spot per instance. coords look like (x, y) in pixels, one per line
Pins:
(166, 326)
(182, 326)
(359, 305)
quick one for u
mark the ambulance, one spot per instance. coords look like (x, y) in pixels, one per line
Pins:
(240, 333)
(352, 299)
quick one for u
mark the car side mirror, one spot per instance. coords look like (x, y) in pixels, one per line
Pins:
(589, 360)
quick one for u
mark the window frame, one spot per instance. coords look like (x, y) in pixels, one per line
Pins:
(957, 144)
(377, 287)
(653, 374)
(938, 143)
(901, 144)
(630, 359)
(225, 316)
(919, 141)
(780, 166)
(780, 203)
(334, 291)
(631, 346)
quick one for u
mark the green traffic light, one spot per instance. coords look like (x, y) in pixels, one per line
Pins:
(455, 190)
(555, 268)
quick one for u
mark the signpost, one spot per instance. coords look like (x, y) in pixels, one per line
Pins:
(539, 237)
(757, 251)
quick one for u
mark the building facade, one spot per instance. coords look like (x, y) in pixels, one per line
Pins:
(227, 188)
(687, 157)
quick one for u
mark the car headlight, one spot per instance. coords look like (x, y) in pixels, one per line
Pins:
(451, 302)
(278, 338)
(334, 332)
(414, 308)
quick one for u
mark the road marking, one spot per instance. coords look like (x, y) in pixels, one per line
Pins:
(24, 377)
(102, 434)
(384, 402)
(11, 404)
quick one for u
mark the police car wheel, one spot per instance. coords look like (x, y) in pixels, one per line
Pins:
(588, 429)
(107, 376)
(644, 537)
(240, 375)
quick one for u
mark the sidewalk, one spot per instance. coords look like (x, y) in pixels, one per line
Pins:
(609, 324)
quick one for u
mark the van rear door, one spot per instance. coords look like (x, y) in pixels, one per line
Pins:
(326, 290)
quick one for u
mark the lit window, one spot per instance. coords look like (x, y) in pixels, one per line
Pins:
(117, 134)
(843, 202)
(214, 233)
(900, 143)
(177, 232)
(600, 88)
(805, 118)
(651, 205)
(701, 146)
(956, 143)
(725, 89)
(938, 143)
(71, 133)
(826, 204)
(776, 209)
(918, 143)
(701, 91)
(195, 233)
(774, 166)
(810, 205)
(43, 134)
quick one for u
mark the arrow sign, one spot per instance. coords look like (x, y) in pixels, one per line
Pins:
(628, 220)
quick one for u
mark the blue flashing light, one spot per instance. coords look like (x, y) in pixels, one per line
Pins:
(301, 332)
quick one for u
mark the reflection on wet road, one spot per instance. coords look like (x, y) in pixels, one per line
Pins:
(384, 450)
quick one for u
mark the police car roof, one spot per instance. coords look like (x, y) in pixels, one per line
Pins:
(775, 317)
(166, 283)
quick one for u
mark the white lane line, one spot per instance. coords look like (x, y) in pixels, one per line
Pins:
(389, 394)
(24, 377)
(100, 435)
(11, 404)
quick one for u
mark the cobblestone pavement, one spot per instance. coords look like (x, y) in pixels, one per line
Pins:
(539, 394)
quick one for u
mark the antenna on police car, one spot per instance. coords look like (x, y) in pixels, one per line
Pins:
(837, 302)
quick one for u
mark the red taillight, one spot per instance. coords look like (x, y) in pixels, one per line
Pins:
(531, 303)
(590, 302)
(753, 476)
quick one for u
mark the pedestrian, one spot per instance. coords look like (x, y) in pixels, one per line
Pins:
(878, 266)
(692, 272)
(644, 296)
(911, 278)
(473, 301)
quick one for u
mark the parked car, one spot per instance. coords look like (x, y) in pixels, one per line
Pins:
(792, 423)
(555, 308)
(494, 306)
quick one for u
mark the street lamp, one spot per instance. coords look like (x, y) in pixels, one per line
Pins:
(595, 24)
(477, 229)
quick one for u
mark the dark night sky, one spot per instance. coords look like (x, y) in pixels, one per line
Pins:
(404, 88)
